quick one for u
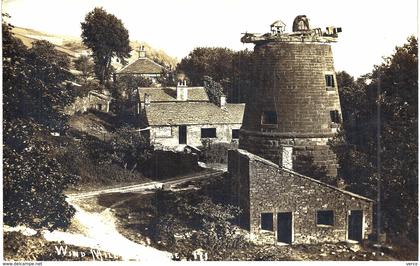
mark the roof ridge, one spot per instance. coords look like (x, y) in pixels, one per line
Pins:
(265, 161)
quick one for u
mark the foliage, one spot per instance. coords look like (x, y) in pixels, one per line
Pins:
(85, 65)
(33, 181)
(380, 110)
(33, 92)
(130, 148)
(214, 89)
(91, 159)
(84, 89)
(197, 221)
(33, 80)
(216, 152)
(231, 69)
(167, 78)
(107, 37)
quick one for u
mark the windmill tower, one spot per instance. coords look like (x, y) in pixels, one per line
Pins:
(293, 108)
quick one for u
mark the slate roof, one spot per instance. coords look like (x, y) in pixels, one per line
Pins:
(168, 94)
(142, 66)
(254, 157)
(193, 113)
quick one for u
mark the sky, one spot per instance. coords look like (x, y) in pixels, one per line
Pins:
(371, 28)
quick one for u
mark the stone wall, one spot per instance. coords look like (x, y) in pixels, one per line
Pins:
(309, 153)
(83, 104)
(223, 133)
(79, 105)
(273, 189)
(289, 78)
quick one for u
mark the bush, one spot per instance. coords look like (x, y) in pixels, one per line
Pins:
(216, 152)
(187, 221)
(166, 164)
(33, 181)
(95, 162)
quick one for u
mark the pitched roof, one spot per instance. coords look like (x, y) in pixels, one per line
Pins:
(168, 94)
(254, 157)
(193, 113)
(142, 65)
(278, 23)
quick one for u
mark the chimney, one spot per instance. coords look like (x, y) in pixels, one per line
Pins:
(286, 157)
(147, 100)
(182, 91)
(142, 52)
(222, 101)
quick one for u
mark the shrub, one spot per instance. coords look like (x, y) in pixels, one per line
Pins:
(33, 181)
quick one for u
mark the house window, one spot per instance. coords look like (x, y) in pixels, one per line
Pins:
(267, 221)
(163, 132)
(269, 118)
(235, 133)
(325, 217)
(329, 81)
(208, 133)
(335, 116)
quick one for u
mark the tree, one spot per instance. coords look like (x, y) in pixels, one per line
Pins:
(33, 81)
(107, 37)
(33, 93)
(230, 69)
(379, 141)
(84, 65)
(130, 149)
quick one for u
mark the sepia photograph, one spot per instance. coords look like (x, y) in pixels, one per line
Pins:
(195, 130)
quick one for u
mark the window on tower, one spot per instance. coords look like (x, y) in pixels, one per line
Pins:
(269, 118)
(329, 81)
(335, 116)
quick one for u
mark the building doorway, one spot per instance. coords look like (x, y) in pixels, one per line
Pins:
(284, 227)
(182, 135)
(355, 224)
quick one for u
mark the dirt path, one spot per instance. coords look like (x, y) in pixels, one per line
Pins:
(145, 186)
(98, 230)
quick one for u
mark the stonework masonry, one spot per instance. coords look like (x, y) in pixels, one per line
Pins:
(260, 186)
(290, 80)
(168, 136)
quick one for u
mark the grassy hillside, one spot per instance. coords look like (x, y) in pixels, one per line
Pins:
(73, 46)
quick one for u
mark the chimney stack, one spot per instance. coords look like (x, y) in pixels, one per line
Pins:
(147, 100)
(182, 91)
(286, 158)
(222, 101)
(142, 52)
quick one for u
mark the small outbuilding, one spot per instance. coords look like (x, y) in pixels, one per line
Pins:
(282, 206)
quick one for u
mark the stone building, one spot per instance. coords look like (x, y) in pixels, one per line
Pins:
(143, 67)
(295, 99)
(292, 112)
(95, 100)
(281, 205)
(180, 116)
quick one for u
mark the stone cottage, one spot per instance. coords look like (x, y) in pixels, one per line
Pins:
(283, 206)
(95, 100)
(179, 116)
(143, 67)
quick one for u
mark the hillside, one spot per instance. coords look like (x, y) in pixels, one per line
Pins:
(72, 45)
